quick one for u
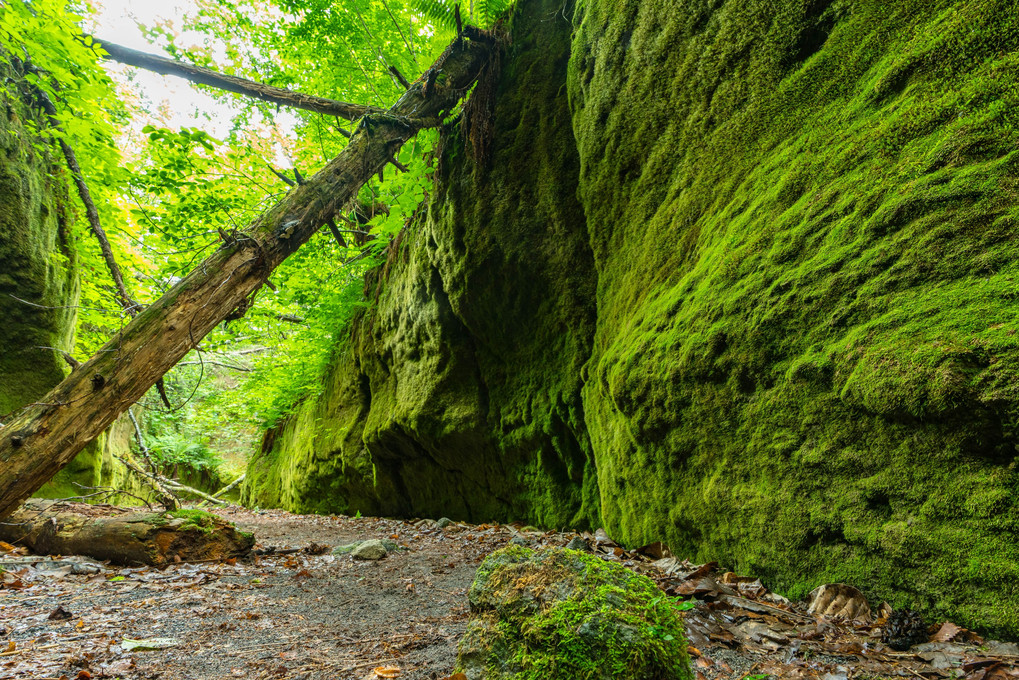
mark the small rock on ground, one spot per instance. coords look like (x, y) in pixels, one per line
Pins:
(370, 550)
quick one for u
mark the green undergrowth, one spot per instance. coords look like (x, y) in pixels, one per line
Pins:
(806, 351)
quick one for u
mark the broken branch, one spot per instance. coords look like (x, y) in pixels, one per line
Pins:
(242, 86)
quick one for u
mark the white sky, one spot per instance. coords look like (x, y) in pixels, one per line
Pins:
(175, 101)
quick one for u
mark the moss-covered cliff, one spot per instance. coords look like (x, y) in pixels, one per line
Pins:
(39, 288)
(778, 330)
(37, 260)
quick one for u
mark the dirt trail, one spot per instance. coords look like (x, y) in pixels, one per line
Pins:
(317, 616)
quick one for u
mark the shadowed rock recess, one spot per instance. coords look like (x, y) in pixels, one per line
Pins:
(740, 276)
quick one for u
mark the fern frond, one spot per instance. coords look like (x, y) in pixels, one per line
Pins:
(481, 13)
(439, 11)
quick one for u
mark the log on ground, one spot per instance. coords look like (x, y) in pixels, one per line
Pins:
(153, 538)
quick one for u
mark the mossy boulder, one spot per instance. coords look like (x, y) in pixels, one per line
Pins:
(566, 614)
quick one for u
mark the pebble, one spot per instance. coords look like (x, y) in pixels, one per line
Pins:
(578, 544)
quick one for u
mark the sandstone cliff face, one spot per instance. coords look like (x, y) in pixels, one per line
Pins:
(740, 276)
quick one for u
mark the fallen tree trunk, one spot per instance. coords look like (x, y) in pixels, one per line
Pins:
(155, 538)
(249, 88)
(46, 435)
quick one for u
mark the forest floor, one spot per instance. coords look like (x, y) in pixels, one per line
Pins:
(312, 615)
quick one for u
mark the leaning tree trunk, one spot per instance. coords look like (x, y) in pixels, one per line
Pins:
(49, 433)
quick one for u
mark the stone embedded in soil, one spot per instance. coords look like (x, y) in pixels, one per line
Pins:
(444, 522)
(577, 543)
(563, 614)
(370, 550)
(519, 540)
(352, 548)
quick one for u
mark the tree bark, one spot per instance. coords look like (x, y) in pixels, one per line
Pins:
(249, 88)
(154, 538)
(46, 435)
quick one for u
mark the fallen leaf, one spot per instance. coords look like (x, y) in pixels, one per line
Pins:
(698, 571)
(839, 600)
(655, 551)
(603, 538)
(949, 632)
(388, 672)
(149, 643)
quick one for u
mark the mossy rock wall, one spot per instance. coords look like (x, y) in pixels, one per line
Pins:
(787, 299)
(459, 392)
(37, 259)
(39, 289)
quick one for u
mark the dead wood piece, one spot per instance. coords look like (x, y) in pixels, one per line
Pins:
(177, 486)
(47, 435)
(137, 538)
(230, 487)
(166, 498)
(248, 88)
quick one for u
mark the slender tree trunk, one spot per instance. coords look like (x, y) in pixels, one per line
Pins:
(248, 88)
(48, 434)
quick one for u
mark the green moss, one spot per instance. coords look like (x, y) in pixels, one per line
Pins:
(561, 613)
(802, 215)
(194, 520)
(37, 259)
